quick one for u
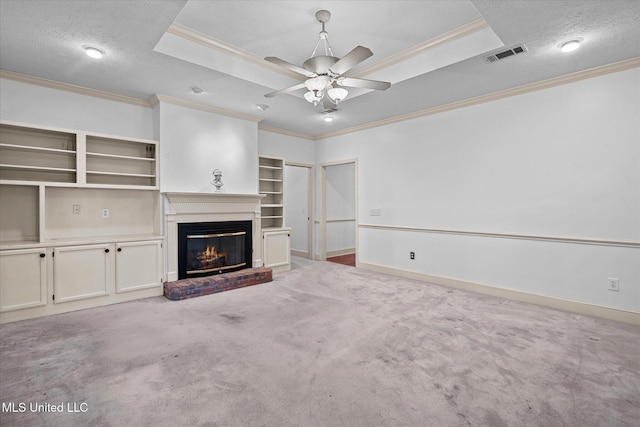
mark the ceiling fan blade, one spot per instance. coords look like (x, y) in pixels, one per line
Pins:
(350, 60)
(286, 90)
(290, 66)
(363, 83)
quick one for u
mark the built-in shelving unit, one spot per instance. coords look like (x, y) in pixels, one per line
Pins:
(271, 184)
(28, 154)
(80, 220)
(275, 236)
(120, 162)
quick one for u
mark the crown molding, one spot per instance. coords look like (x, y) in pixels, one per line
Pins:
(520, 90)
(157, 98)
(23, 78)
(206, 41)
(463, 30)
(544, 84)
(285, 132)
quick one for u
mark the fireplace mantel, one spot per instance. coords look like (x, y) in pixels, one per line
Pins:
(208, 207)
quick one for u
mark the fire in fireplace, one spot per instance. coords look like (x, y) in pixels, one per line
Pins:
(208, 248)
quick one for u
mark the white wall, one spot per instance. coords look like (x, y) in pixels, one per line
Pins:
(561, 162)
(38, 105)
(193, 143)
(290, 148)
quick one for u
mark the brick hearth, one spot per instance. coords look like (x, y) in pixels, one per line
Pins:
(189, 288)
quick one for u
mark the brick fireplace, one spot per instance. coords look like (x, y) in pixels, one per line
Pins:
(190, 209)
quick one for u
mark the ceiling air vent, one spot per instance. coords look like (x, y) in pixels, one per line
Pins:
(507, 53)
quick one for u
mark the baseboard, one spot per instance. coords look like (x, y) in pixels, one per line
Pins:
(340, 252)
(543, 300)
(303, 254)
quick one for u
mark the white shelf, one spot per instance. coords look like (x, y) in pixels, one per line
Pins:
(133, 175)
(270, 167)
(270, 180)
(270, 192)
(273, 217)
(35, 168)
(37, 149)
(117, 156)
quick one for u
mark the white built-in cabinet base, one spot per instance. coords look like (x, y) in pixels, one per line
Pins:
(276, 249)
(44, 280)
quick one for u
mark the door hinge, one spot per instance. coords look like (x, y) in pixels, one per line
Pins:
(54, 297)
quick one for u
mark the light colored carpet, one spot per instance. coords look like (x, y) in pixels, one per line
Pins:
(323, 345)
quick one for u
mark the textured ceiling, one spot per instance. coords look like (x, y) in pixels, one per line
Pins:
(44, 39)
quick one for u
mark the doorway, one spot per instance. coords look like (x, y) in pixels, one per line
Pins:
(298, 207)
(338, 213)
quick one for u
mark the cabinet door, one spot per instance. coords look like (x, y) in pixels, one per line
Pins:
(276, 249)
(23, 279)
(138, 266)
(81, 272)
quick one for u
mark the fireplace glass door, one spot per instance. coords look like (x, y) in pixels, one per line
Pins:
(212, 248)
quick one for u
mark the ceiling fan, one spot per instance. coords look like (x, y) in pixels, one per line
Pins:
(324, 74)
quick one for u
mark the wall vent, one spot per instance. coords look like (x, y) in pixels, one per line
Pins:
(507, 53)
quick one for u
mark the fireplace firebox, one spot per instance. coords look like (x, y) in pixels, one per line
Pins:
(208, 248)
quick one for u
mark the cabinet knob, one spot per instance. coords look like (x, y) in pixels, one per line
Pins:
(119, 249)
(106, 251)
(42, 255)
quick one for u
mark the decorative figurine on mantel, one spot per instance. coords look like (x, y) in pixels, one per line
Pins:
(217, 181)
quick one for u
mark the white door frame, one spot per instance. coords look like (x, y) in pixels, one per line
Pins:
(322, 232)
(311, 201)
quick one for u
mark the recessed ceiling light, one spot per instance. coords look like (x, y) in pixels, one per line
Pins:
(570, 45)
(328, 119)
(93, 52)
(197, 90)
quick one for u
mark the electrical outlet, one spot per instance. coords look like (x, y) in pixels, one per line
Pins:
(76, 209)
(105, 213)
(412, 255)
(614, 284)
(375, 212)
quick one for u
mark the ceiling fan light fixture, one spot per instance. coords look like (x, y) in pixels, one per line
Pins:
(313, 97)
(317, 83)
(337, 94)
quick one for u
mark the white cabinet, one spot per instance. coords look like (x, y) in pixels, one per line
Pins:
(138, 266)
(81, 272)
(276, 249)
(23, 279)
